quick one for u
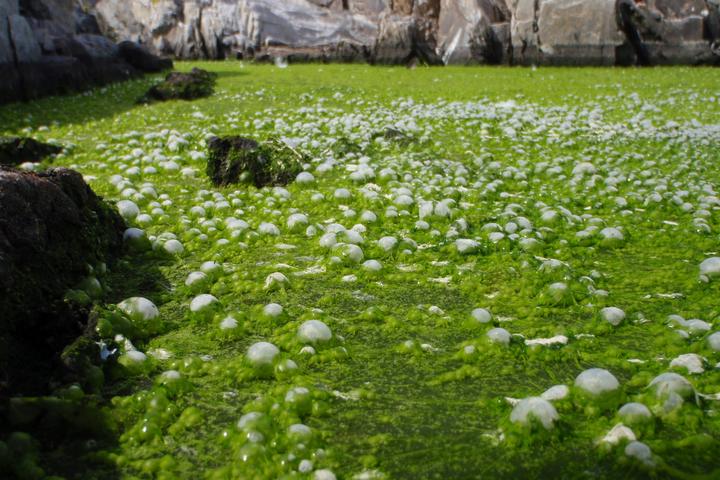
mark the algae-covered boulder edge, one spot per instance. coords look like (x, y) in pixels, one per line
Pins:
(55, 234)
(234, 160)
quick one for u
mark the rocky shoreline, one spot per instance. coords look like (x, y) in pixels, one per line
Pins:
(56, 46)
(50, 47)
(552, 32)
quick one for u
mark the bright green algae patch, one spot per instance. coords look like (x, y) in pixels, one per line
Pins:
(496, 196)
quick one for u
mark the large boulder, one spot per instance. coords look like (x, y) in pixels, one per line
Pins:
(54, 232)
(474, 30)
(141, 59)
(404, 38)
(578, 32)
(524, 33)
(25, 45)
(670, 32)
(395, 40)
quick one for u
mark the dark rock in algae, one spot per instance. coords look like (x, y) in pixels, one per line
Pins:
(197, 83)
(17, 150)
(243, 160)
(54, 234)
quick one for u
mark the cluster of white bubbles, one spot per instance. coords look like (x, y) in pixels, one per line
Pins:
(372, 213)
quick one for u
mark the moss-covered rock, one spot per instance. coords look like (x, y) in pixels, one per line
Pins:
(197, 83)
(243, 160)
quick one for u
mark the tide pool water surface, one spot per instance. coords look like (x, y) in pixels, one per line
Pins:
(480, 273)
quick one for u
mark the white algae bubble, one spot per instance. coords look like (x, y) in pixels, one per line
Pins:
(692, 362)
(194, 278)
(387, 243)
(352, 252)
(481, 315)
(135, 356)
(714, 341)
(129, 210)
(697, 326)
(297, 220)
(324, 474)
(597, 381)
(173, 247)
(304, 178)
(300, 430)
(136, 239)
(262, 353)
(276, 280)
(466, 245)
(297, 395)
(211, 268)
(249, 420)
(305, 466)
(671, 383)
(534, 407)
(170, 375)
(634, 412)
(273, 309)
(640, 452)
(228, 323)
(202, 302)
(499, 335)
(710, 267)
(612, 234)
(558, 292)
(372, 265)
(556, 392)
(314, 331)
(139, 309)
(617, 434)
(612, 315)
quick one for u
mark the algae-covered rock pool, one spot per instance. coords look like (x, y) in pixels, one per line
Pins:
(481, 273)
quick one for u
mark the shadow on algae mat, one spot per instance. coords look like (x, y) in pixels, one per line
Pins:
(65, 433)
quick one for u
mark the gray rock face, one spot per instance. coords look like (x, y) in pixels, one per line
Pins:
(9, 7)
(395, 40)
(54, 46)
(97, 46)
(559, 32)
(6, 50)
(578, 32)
(469, 30)
(26, 46)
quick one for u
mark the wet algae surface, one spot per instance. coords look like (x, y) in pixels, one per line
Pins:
(520, 280)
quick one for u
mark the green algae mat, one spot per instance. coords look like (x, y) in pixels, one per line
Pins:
(479, 273)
